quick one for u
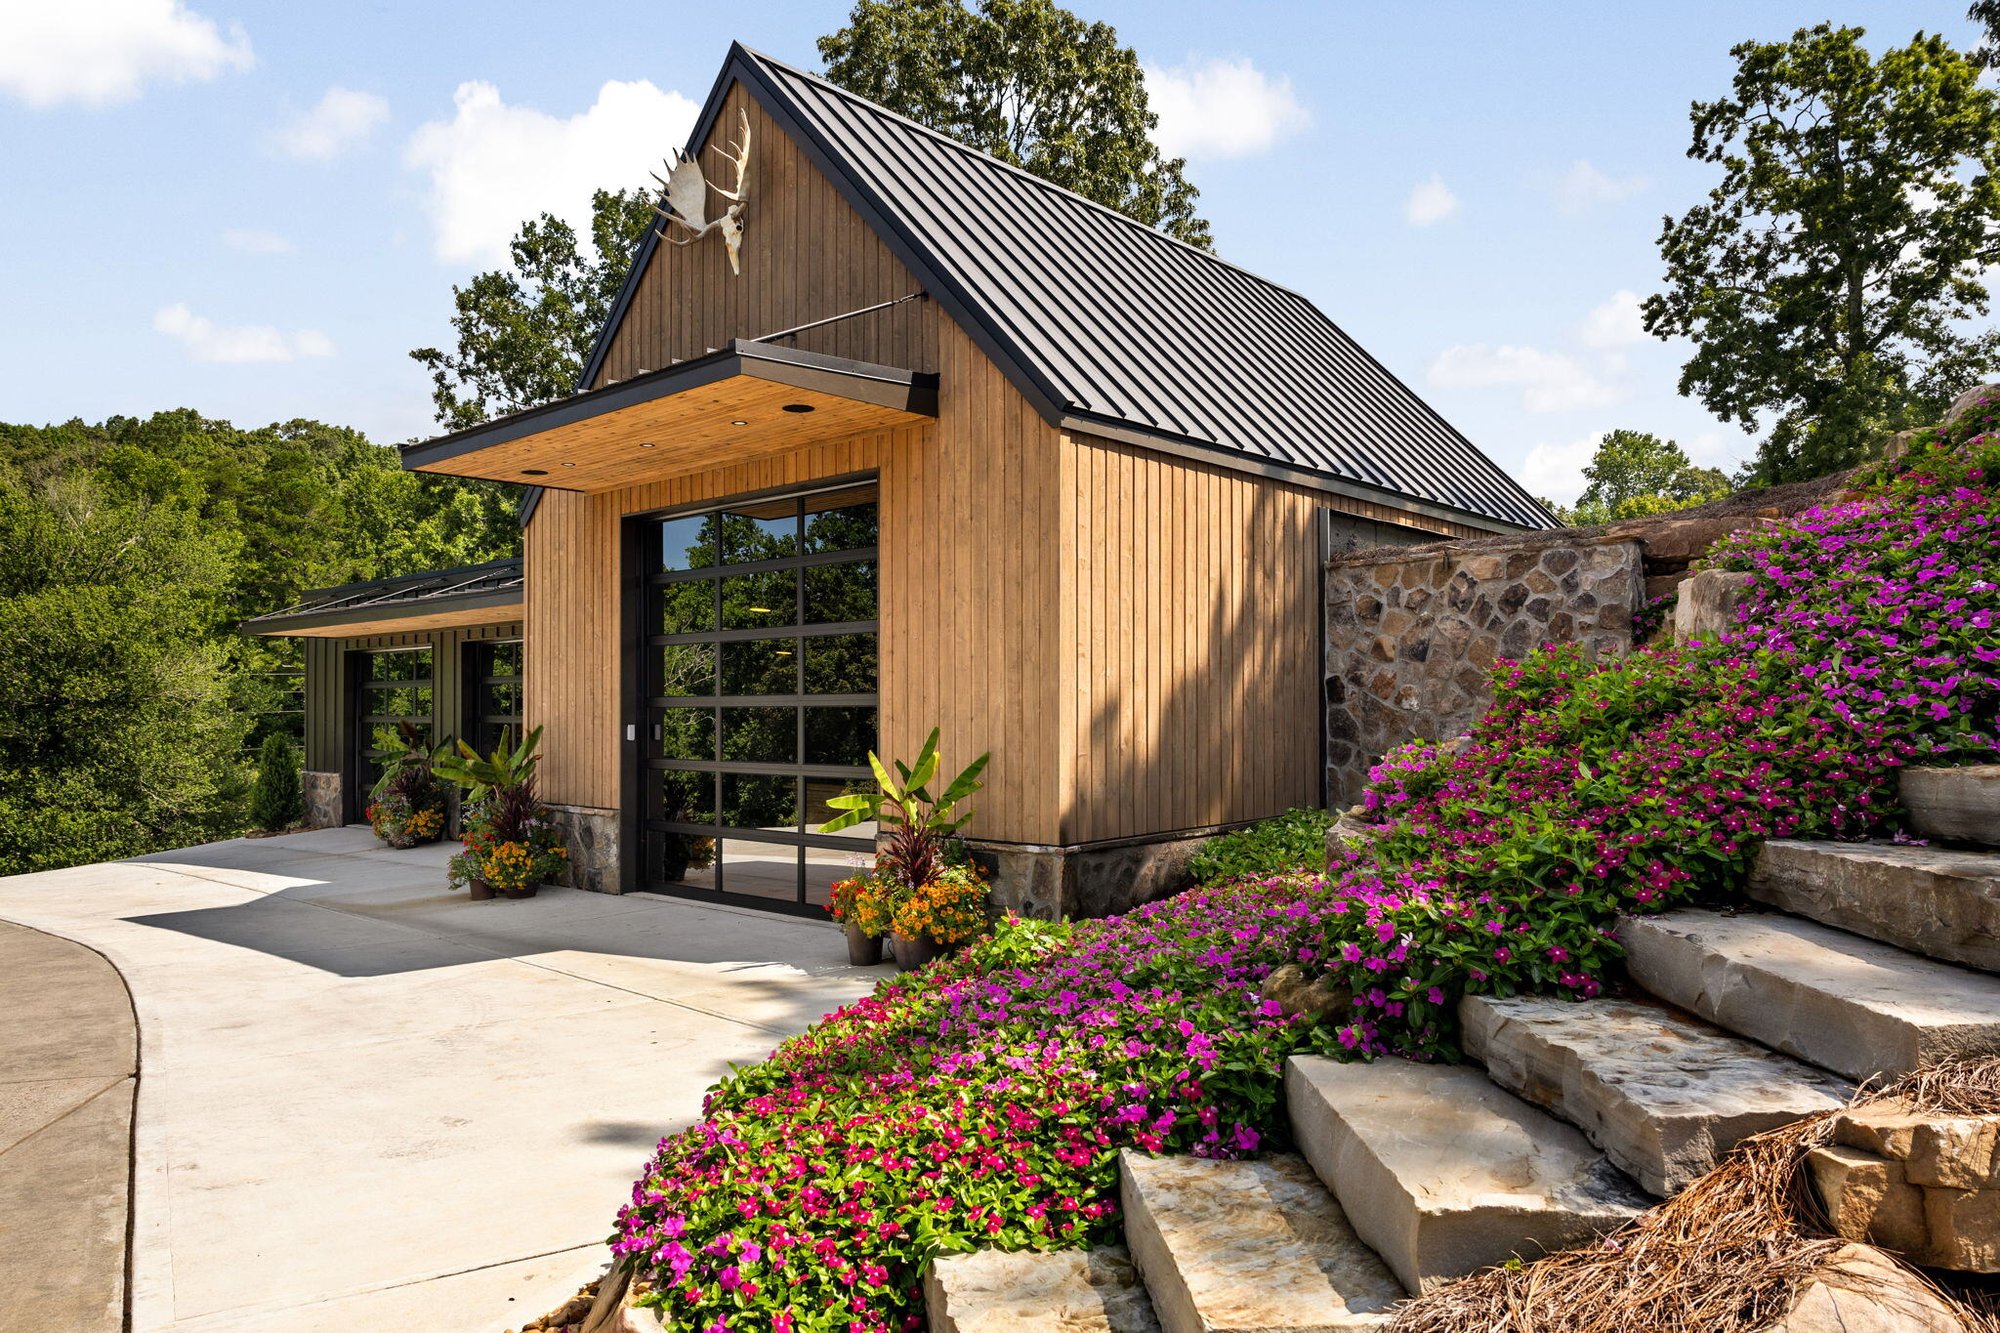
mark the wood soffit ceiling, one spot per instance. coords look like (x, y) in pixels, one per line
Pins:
(748, 401)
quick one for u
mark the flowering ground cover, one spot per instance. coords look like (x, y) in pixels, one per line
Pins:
(981, 1101)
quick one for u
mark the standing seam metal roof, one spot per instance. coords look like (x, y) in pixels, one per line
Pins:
(1101, 319)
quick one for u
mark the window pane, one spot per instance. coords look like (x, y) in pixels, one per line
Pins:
(762, 869)
(761, 666)
(504, 659)
(760, 735)
(687, 733)
(687, 670)
(687, 608)
(837, 593)
(400, 666)
(687, 543)
(821, 790)
(841, 521)
(681, 858)
(760, 601)
(760, 802)
(687, 798)
(840, 664)
(766, 531)
(840, 736)
(503, 699)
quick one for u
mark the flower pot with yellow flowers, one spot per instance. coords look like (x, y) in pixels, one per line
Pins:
(933, 895)
(862, 904)
(512, 846)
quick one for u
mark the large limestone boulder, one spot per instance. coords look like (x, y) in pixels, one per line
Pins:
(1707, 605)
(1922, 1184)
(1862, 1290)
(1066, 1291)
(1934, 901)
(1958, 804)
(1976, 396)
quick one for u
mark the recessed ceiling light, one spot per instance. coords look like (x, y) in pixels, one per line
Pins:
(569, 465)
(647, 444)
(739, 423)
(798, 407)
(534, 472)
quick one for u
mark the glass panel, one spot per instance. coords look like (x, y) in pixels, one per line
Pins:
(687, 798)
(687, 670)
(503, 699)
(826, 868)
(687, 608)
(687, 543)
(682, 858)
(411, 701)
(385, 738)
(841, 736)
(765, 531)
(760, 735)
(837, 593)
(840, 664)
(821, 790)
(761, 869)
(400, 666)
(760, 802)
(841, 520)
(760, 601)
(687, 733)
(761, 666)
(504, 659)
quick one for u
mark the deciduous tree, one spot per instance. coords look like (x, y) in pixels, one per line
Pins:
(1634, 473)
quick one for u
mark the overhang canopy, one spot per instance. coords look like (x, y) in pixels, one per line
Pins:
(441, 599)
(749, 400)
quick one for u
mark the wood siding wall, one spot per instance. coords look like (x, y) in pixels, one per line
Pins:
(807, 256)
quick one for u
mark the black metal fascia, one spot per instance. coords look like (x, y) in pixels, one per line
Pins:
(884, 386)
(280, 625)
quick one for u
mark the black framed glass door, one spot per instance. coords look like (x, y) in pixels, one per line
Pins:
(761, 692)
(390, 688)
(492, 693)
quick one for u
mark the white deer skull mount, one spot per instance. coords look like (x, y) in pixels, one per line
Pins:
(687, 198)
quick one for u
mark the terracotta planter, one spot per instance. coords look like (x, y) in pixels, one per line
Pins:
(480, 890)
(863, 949)
(913, 953)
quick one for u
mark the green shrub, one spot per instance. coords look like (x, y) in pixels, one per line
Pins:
(1295, 840)
(276, 799)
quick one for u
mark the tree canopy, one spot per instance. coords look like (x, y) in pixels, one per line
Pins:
(1635, 473)
(1826, 280)
(1028, 82)
(525, 331)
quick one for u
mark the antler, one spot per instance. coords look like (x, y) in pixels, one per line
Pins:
(740, 157)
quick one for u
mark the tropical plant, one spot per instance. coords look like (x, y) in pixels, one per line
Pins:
(508, 768)
(277, 800)
(914, 847)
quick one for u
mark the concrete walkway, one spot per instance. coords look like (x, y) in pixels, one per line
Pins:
(69, 1057)
(370, 1103)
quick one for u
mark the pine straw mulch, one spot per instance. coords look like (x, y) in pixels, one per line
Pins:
(1729, 1254)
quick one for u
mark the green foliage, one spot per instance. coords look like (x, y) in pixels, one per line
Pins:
(1028, 82)
(510, 768)
(277, 801)
(1829, 275)
(917, 842)
(1635, 473)
(1017, 941)
(116, 731)
(1293, 841)
(525, 331)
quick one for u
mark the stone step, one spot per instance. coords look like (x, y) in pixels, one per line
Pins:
(1442, 1172)
(1852, 1005)
(1237, 1247)
(1070, 1291)
(1939, 903)
(1962, 804)
(1664, 1094)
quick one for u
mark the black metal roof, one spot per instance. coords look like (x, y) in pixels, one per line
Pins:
(1112, 328)
(495, 584)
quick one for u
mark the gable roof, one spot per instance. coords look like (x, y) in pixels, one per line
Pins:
(1111, 328)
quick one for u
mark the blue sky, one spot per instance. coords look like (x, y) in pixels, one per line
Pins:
(256, 209)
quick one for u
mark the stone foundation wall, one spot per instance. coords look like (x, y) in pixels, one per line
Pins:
(591, 835)
(1096, 879)
(1411, 637)
(322, 798)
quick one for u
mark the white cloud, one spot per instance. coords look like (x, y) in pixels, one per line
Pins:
(243, 344)
(256, 242)
(340, 120)
(493, 166)
(1549, 381)
(98, 52)
(1615, 323)
(1555, 471)
(1222, 107)
(1431, 202)
(1583, 187)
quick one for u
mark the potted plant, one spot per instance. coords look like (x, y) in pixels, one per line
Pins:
(406, 804)
(916, 831)
(940, 914)
(512, 847)
(862, 904)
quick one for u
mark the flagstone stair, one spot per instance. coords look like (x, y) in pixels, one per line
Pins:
(1664, 1094)
(1937, 902)
(1961, 804)
(1846, 1003)
(1441, 1171)
(1069, 1291)
(1248, 1247)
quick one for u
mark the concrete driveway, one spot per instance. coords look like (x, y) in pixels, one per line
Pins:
(367, 1102)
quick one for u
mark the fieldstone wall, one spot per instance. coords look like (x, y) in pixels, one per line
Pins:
(592, 838)
(322, 799)
(1411, 636)
(1092, 880)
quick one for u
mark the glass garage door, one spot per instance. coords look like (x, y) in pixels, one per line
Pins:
(761, 695)
(390, 688)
